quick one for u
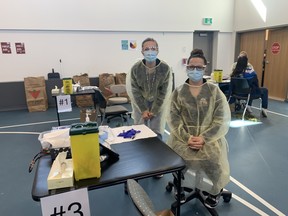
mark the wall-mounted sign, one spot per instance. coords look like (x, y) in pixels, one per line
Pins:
(275, 49)
(207, 21)
(128, 44)
(6, 47)
(20, 48)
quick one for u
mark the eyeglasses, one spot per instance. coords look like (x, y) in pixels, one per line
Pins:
(150, 48)
(198, 68)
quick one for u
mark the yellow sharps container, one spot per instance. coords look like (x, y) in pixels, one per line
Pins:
(218, 73)
(84, 139)
(67, 86)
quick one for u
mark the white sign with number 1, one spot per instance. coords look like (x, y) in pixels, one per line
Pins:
(64, 103)
(72, 203)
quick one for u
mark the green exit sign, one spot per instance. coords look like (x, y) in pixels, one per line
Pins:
(207, 21)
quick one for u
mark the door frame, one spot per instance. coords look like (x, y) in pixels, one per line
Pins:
(204, 40)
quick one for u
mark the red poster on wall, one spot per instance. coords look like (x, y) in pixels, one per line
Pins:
(6, 48)
(20, 48)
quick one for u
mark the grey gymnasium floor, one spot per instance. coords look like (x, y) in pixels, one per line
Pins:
(258, 158)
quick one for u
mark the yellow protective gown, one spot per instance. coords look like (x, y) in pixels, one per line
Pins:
(150, 89)
(207, 115)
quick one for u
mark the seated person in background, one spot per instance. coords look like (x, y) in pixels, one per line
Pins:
(246, 71)
(242, 53)
(199, 120)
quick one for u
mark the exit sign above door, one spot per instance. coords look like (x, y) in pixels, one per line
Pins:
(207, 21)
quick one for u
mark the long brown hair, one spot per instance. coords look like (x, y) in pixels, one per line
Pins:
(241, 66)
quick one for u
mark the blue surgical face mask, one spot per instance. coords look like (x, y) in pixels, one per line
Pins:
(150, 55)
(195, 75)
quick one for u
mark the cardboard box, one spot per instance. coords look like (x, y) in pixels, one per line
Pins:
(56, 179)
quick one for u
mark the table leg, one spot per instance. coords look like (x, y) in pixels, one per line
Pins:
(58, 118)
(178, 192)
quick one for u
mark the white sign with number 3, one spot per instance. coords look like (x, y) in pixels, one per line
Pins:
(72, 203)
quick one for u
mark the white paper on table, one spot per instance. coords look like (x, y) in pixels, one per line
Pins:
(145, 132)
(56, 138)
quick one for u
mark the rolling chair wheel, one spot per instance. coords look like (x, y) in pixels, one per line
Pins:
(169, 186)
(227, 197)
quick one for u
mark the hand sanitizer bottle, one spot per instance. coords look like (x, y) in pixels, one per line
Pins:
(87, 119)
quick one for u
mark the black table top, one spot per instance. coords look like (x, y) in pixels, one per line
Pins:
(137, 159)
(82, 92)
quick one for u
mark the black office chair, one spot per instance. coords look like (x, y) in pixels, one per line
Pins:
(241, 91)
(188, 194)
(110, 112)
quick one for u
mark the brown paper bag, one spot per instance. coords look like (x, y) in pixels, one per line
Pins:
(35, 91)
(83, 100)
(105, 80)
(121, 79)
(83, 79)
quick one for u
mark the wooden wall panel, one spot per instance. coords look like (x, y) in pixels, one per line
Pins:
(254, 44)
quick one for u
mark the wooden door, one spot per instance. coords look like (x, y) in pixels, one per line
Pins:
(254, 44)
(276, 73)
